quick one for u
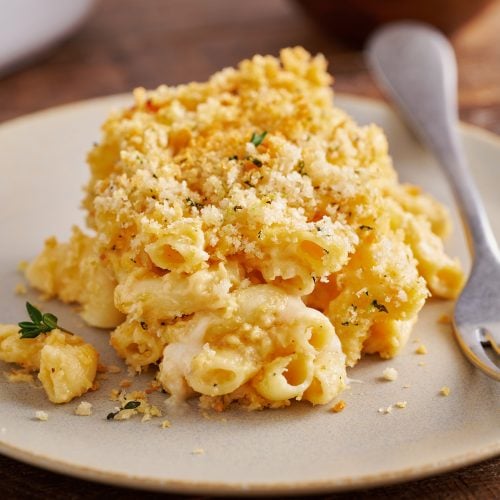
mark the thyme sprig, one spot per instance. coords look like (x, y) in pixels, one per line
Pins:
(40, 323)
(131, 405)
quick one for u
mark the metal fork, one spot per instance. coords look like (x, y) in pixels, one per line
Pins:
(416, 65)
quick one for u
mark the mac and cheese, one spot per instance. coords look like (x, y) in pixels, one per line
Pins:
(249, 237)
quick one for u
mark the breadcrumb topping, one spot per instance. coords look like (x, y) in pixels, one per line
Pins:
(203, 192)
(445, 391)
(41, 415)
(131, 404)
(20, 289)
(390, 374)
(386, 411)
(84, 409)
(339, 406)
(421, 349)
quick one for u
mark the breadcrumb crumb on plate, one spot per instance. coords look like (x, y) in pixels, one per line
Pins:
(41, 415)
(421, 349)
(339, 406)
(20, 376)
(385, 410)
(20, 289)
(390, 374)
(444, 319)
(84, 409)
(445, 391)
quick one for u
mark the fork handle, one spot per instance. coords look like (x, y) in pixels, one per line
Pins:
(399, 54)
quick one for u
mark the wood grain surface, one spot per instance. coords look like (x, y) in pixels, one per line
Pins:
(127, 43)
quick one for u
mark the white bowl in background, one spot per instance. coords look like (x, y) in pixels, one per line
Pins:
(28, 27)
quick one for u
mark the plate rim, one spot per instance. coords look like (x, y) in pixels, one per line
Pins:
(343, 484)
(347, 483)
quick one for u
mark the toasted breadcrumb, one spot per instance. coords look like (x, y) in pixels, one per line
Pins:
(154, 386)
(145, 409)
(445, 390)
(421, 363)
(22, 265)
(20, 289)
(244, 396)
(385, 411)
(125, 414)
(339, 406)
(444, 319)
(114, 394)
(406, 386)
(198, 451)
(421, 349)
(125, 383)
(43, 416)
(185, 157)
(166, 424)
(16, 376)
(390, 374)
(401, 404)
(114, 369)
(84, 409)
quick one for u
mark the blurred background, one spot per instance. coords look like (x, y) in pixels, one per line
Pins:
(57, 51)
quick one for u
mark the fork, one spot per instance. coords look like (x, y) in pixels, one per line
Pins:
(416, 65)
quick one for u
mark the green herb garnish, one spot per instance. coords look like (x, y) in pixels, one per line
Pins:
(257, 139)
(192, 203)
(131, 405)
(379, 307)
(300, 166)
(40, 323)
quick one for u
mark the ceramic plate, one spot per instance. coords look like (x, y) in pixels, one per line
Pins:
(300, 449)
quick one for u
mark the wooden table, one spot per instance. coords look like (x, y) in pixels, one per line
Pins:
(127, 43)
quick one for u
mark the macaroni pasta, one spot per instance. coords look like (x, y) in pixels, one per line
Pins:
(248, 237)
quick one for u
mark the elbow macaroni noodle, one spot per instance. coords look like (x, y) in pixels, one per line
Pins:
(251, 269)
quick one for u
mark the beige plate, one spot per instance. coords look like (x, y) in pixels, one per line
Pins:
(300, 449)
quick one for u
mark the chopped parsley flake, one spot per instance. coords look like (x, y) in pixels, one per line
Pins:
(379, 307)
(192, 203)
(132, 405)
(300, 166)
(257, 139)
